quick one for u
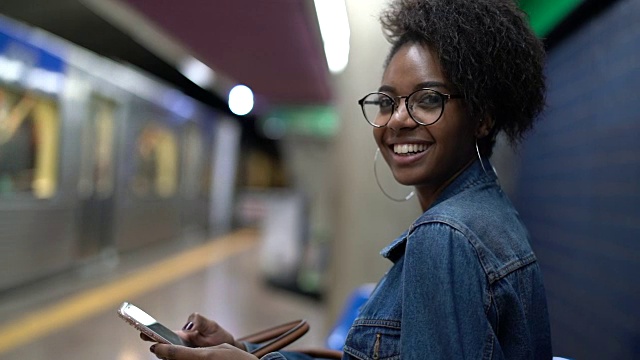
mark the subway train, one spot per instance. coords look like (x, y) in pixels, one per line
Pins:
(98, 158)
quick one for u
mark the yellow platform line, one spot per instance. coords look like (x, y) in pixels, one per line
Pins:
(69, 311)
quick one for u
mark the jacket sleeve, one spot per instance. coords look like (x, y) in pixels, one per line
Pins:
(443, 306)
(286, 355)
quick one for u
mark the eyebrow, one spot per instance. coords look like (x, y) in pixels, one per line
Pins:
(422, 85)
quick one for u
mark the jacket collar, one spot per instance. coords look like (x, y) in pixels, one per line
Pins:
(471, 176)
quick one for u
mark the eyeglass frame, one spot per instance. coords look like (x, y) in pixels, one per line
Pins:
(445, 98)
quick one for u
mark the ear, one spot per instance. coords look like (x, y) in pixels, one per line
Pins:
(485, 125)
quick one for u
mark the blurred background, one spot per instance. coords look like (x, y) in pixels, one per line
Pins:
(133, 132)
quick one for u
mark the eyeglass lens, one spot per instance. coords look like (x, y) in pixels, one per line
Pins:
(425, 107)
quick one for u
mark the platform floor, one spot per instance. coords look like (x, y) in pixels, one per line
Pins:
(73, 315)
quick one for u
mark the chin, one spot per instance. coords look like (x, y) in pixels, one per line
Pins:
(406, 179)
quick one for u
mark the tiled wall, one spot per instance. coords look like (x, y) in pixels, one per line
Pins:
(579, 188)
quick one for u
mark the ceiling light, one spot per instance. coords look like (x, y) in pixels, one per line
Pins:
(196, 71)
(240, 100)
(334, 27)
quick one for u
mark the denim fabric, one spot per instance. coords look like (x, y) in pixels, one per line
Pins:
(286, 355)
(464, 284)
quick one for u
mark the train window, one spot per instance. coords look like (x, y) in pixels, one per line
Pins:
(97, 161)
(156, 171)
(29, 144)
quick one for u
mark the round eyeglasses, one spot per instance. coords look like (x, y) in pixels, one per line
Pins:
(424, 106)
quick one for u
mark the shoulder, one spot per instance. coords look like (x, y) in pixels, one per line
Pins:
(481, 220)
(439, 242)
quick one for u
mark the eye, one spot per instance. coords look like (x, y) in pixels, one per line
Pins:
(385, 103)
(381, 102)
(426, 100)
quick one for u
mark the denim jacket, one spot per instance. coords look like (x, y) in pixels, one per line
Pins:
(464, 284)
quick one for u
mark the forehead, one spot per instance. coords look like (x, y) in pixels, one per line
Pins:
(412, 64)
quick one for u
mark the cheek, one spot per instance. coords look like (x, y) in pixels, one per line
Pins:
(457, 130)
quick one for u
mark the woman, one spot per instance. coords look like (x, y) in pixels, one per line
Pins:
(464, 283)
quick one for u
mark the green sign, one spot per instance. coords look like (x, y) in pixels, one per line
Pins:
(545, 15)
(320, 121)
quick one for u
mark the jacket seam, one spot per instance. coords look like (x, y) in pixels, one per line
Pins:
(391, 324)
(455, 228)
(488, 354)
(493, 275)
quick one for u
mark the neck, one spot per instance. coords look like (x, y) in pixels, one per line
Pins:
(427, 195)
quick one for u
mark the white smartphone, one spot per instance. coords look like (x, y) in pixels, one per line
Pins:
(148, 325)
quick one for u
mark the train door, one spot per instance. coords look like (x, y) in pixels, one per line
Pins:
(97, 178)
(34, 236)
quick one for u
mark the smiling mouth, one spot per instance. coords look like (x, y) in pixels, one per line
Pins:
(409, 149)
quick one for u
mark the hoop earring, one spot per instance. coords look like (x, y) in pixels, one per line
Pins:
(375, 173)
(480, 158)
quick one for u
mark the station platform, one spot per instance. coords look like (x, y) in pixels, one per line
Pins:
(73, 315)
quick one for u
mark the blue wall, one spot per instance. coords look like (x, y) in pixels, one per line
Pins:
(579, 188)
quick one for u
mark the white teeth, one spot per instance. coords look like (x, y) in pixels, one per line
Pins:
(408, 148)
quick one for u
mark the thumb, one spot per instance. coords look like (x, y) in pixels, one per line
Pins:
(191, 337)
(165, 351)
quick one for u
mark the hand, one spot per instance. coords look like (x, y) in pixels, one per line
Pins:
(219, 352)
(202, 332)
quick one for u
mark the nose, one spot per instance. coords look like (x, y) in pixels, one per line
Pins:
(400, 118)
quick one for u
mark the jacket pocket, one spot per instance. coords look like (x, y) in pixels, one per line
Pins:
(373, 339)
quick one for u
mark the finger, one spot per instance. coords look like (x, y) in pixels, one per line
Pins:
(199, 322)
(193, 321)
(145, 337)
(171, 352)
(190, 337)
